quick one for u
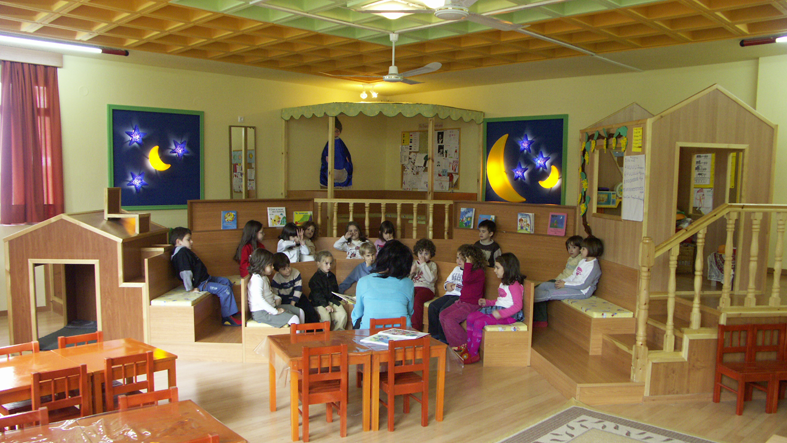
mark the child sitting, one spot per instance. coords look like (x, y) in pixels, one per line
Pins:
(309, 235)
(387, 292)
(288, 284)
(291, 242)
(424, 275)
(582, 283)
(387, 233)
(506, 309)
(453, 288)
(250, 240)
(351, 241)
(486, 230)
(473, 278)
(196, 278)
(266, 307)
(368, 253)
(322, 285)
(572, 246)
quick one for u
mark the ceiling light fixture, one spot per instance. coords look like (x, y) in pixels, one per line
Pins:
(49, 45)
(387, 5)
(759, 41)
(374, 93)
(364, 95)
(782, 39)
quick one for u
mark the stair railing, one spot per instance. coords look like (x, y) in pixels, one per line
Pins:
(734, 213)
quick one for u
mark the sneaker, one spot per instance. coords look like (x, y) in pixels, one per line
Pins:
(540, 324)
(459, 349)
(472, 359)
(230, 321)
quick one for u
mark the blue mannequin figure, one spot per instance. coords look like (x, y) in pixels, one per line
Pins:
(343, 162)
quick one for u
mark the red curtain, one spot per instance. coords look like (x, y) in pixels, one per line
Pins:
(31, 155)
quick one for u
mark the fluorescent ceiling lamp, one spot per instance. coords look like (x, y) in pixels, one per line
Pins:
(782, 39)
(387, 5)
(48, 45)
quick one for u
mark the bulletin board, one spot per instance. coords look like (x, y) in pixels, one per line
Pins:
(414, 160)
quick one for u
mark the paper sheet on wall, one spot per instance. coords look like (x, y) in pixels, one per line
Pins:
(636, 141)
(633, 188)
(441, 183)
(237, 182)
(703, 170)
(250, 173)
(703, 200)
(404, 153)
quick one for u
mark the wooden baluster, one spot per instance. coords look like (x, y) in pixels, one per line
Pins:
(447, 207)
(696, 316)
(366, 209)
(430, 227)
(640, 354)
(415, 220)
(726, 285)
(351, 212)
(319, 217)
(669, 334)
(756, 219)
(775, 300)
(335, 218)
(399, 218)
(382, 212)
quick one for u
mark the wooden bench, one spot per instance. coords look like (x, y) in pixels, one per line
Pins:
(749, 354)
(584, 324)
(509, 345)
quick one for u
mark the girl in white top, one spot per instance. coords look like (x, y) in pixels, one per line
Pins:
(309, 235)
(582, 283)
(291, 243)
(351, 241)
(424, 275)
(266, 307)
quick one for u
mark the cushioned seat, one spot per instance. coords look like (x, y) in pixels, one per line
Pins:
(599, 308)
(518, 326)
(179, 297)
(253, 324)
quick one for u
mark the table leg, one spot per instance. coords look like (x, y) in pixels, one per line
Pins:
(375, 392)
(98, 398)
(440, 386)
(294, 404)
(271, 382)
(367, 392)
(172, 376)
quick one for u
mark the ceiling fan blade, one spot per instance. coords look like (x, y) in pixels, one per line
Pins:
(431, 67)
(394, 11)
(408, 81)
(350, 75)
(488, 20)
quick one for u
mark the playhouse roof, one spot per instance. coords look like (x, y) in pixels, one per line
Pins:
(113, 229)
(709, 90)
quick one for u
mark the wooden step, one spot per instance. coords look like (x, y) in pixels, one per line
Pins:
(584, 330)
(655, 336)
(591, 379)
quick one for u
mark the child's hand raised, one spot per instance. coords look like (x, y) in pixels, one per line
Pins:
(450, 287)
(481, 302)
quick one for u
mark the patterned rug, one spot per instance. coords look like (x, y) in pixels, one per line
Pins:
(580, 425)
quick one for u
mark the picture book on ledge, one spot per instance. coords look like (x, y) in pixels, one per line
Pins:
(557, 224)
(525, 223)
(466, 216)
(229, 219)
(301, 217)
(383, 337)
(277, 217)
(482, 217)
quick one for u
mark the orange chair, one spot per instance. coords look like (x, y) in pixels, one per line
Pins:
(310, 331)
(64, 392)
(8, 352)
(376, 325)
(39, 417)
(324, 380)
(76, 340)
(148, 398)
(210, 438)
(403, 378)
(127, 371)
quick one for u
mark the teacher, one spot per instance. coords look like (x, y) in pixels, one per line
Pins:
(388, 291)
(343, 162)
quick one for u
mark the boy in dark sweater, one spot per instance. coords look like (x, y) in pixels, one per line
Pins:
(322, 285)
(288, 284)
(190, 269)
(486, 230)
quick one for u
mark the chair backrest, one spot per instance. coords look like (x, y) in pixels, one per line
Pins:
(409, 356)
(10, 351)
(76, 340)
(381, 324)
(60, 389)
(210, 438)
(315, 331)
(148, 398)
(38, 417)
(325, 363)
(128, 371)
(767, 342)
(733, 339)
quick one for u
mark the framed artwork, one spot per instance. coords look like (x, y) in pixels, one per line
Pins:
(524, 159)
(156, 156)
(557, 224)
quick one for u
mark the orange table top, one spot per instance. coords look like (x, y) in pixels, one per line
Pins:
(166, 423)
(93, 354)
(15, 373)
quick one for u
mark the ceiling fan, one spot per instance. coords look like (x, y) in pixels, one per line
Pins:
(393, 72)
(452, 10)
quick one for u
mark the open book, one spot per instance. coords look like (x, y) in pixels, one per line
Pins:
(383, 337)
(348, 298)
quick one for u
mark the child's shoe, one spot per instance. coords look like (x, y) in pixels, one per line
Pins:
(230, 321)
(470, 359)
(459, 349)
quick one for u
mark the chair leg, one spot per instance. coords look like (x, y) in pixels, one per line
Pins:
(772, 399)
(390, 406)
(406, 403)
(329, 412)
(741, 393)
(305, 422)
(343, 418)
(749, 392)
(425, 407)
(717, 388)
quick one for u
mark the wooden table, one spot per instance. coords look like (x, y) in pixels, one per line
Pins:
(15, 373)
(291, 354)
(166, 423)
(93, 356)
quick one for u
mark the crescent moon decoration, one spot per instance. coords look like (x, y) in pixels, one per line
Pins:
(155, 160)
(496, 173)
(551, 181)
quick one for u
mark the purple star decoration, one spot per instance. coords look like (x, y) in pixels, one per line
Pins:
(519, 172)
(541, 161)
(179, 149)
(137, 181)
(135, 136)
(525, 144)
